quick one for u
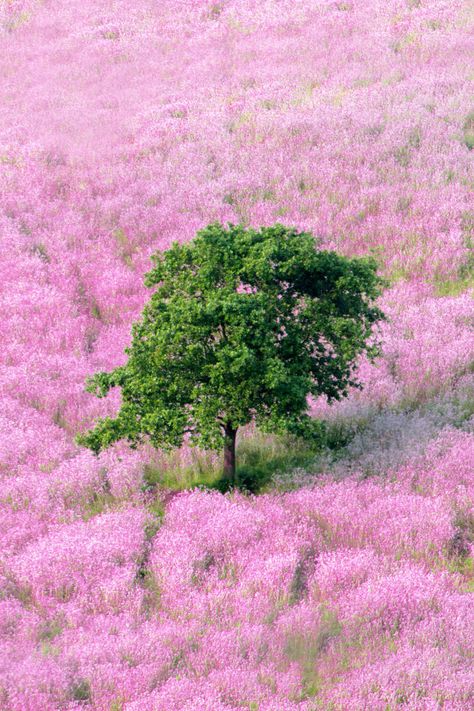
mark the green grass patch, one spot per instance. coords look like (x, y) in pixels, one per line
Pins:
(97, 503)
(465, 276)
(259, 457)
(81, 691)
(305, 650)
(168, 473)
(262, 459)
(459, 565)
(468, 131)
(454, 287)
(151, 593)
(50, 629)
(117, 704)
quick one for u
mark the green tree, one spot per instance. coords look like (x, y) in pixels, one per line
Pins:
(242, 326)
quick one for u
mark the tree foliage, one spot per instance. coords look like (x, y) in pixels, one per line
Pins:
(242, 326)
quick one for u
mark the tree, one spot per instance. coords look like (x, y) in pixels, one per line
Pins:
(243, 326)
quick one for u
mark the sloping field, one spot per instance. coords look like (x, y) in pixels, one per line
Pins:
(348, 585)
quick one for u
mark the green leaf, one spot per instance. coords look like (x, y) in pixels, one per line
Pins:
(242, 325)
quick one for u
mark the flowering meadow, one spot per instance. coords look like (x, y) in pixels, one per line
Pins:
(349, 584)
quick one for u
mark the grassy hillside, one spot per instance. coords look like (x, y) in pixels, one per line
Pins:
(347, 583)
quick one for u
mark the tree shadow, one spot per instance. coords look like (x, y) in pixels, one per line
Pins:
(260, 458)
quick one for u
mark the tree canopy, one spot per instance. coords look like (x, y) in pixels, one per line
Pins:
(243, 325)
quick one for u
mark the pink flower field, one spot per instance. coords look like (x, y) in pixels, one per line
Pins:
(348, 584)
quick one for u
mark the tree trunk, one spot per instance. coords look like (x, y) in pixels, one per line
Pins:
(229, 454)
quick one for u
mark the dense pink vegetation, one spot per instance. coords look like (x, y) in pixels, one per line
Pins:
(125, 126)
